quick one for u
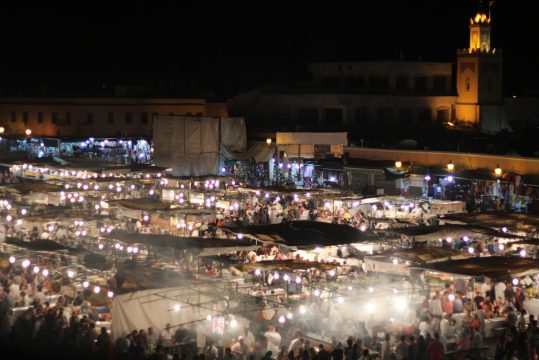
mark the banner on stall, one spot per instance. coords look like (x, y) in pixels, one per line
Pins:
(197, 199)
(221, 204)
(167, 195)
(385, 267)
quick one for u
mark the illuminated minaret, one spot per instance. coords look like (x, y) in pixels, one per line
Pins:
(479, 76)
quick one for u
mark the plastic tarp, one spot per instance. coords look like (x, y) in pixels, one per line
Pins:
(233, 134)
(260, 152)
(156, 308)
(190, 146)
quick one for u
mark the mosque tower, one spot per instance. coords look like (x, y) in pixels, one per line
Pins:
(479, 77)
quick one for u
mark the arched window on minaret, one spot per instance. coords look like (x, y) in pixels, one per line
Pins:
(468, 84)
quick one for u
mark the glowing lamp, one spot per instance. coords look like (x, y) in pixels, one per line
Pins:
(317, 292)
(240, 236)
(451, 297)
(515, 282)
(427, 178)
(289, 316)
(298, 280)
(208, 317)
(340, 299)
(276, 276)
(286, 277)
(85, 284)
(45, 272)
(28, 132)
(24, 211)
(97, 289)
(371, 289)
(135, 250)
(395, 262)
(268, 141)
(523, 253)
(398, 164)
(70, 273)
(501, 247)
(332, 272)
(282, 319)
(450, 166)
(498, 170)
(12, 259)
(110, 294)
(26, 263)
(471, 250)
(9, 218)
(302, 309)
(233, 323)
(504, 229)
(257, 272)
(36, 269)
(2, 129)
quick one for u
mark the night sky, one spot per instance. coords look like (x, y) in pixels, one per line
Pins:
(216, 49)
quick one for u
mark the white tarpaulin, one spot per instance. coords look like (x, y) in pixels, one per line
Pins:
(233, 135)
(190, 146)
(158, 307)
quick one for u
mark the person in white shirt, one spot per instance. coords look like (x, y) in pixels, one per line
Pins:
(296, 344)
(248, 338)
(166, 336)
(424, 328)
(274, 341)
(499, 290)
(444, 326)
(436, 305)
(240, 350)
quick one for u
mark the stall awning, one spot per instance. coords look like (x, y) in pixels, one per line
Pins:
(493, 267)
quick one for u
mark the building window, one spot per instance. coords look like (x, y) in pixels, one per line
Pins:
(330, 82)
(439, 84)
(362, 114)
(144, 118)
(467, 84)
(420, 84)
(89, 119)
(54, 118)
(68, 118)
(405, 115)
(442, 115)
(379, 84)
(401, 84)
(424, 116)
(128, 118)
(154, 115)
(333, 116)
(110, 118)
(40, 118)
(13, 117)
(25, 117)
(307, 116)
(355, 82)
(384, 116)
